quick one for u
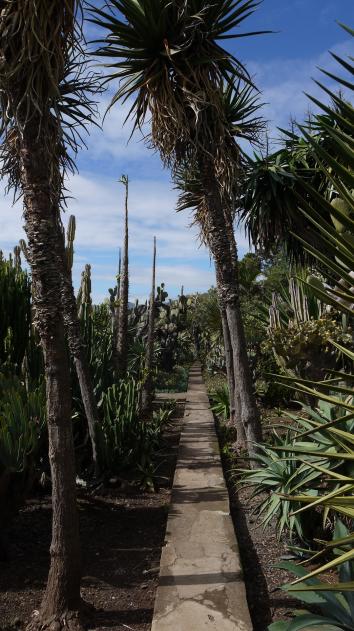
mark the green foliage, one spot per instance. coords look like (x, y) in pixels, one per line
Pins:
(125, 440)
(22, 420)
(305, 348)
(220, 399)
(334, 603)
(15, 310)
(175, 381)
(334, 227)
(281, 473)
(119, 431)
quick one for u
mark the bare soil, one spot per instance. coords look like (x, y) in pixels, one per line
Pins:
(122, 533)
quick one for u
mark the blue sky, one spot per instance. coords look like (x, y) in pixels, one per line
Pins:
(282, 65)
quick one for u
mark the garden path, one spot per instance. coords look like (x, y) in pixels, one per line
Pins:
(201, 584)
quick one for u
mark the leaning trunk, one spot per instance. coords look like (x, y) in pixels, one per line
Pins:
(148, 384)
(122, 334)
(78, 354)
(221, 241)
(63, 588)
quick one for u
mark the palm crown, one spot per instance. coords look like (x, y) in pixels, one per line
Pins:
(168, 58)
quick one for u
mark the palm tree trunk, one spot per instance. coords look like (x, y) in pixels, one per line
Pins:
(235, 402)
(63, 588)
(122, 333)
(115, 314)
(221, 241)
(148, 385)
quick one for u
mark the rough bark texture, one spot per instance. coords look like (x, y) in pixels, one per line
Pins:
(228, 363)
(78, 353)
(221, 241)
(148, 384)
(122, 333)
(235, 402)
(63, 588)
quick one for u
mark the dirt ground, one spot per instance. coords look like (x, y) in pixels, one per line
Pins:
(122, 534)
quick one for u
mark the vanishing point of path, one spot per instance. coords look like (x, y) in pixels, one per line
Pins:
(201, 584)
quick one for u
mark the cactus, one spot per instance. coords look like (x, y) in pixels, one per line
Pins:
(149, 359)
(70, 237)
(84, 293)
(118, 432)
(15, 310)
(17, 257)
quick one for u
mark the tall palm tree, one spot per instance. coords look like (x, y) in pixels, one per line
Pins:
(240, 111)
(42, 100)
(148, 383)
(272, 184)
(123, 297)
(171, 65)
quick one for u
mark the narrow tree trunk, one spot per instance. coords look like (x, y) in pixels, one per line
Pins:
(148, 385)
(63, 588)
(115, 315)
(228, 363)
(122, 334)
(221, 241)
(235, 402)
(78, 354)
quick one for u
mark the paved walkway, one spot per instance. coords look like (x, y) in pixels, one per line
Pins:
(201, 585)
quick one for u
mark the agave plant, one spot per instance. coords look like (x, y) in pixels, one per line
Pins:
(280, 475)
(334, 609)
(335, 227)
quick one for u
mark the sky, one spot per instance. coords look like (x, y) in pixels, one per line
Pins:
(282, 65)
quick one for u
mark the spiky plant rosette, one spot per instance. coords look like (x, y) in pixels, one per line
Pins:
(46, 85)
(240, 107)
(171, 67)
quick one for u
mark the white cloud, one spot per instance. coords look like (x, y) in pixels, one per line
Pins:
(284, 82)
(98, 201)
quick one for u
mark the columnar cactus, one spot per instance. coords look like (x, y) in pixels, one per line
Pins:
(70, 237)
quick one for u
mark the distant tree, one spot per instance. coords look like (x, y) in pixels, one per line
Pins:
(123, 297)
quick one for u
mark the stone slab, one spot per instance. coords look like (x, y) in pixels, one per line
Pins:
(201, 584)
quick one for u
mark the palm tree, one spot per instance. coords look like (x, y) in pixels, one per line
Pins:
(272, 185)
(240, 107)
(172, 67)
(42, 100)
(123, 297)
(148, 384)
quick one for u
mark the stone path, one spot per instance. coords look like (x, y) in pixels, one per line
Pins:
(201, 585)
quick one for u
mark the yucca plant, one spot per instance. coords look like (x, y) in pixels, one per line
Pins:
(171, 67)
